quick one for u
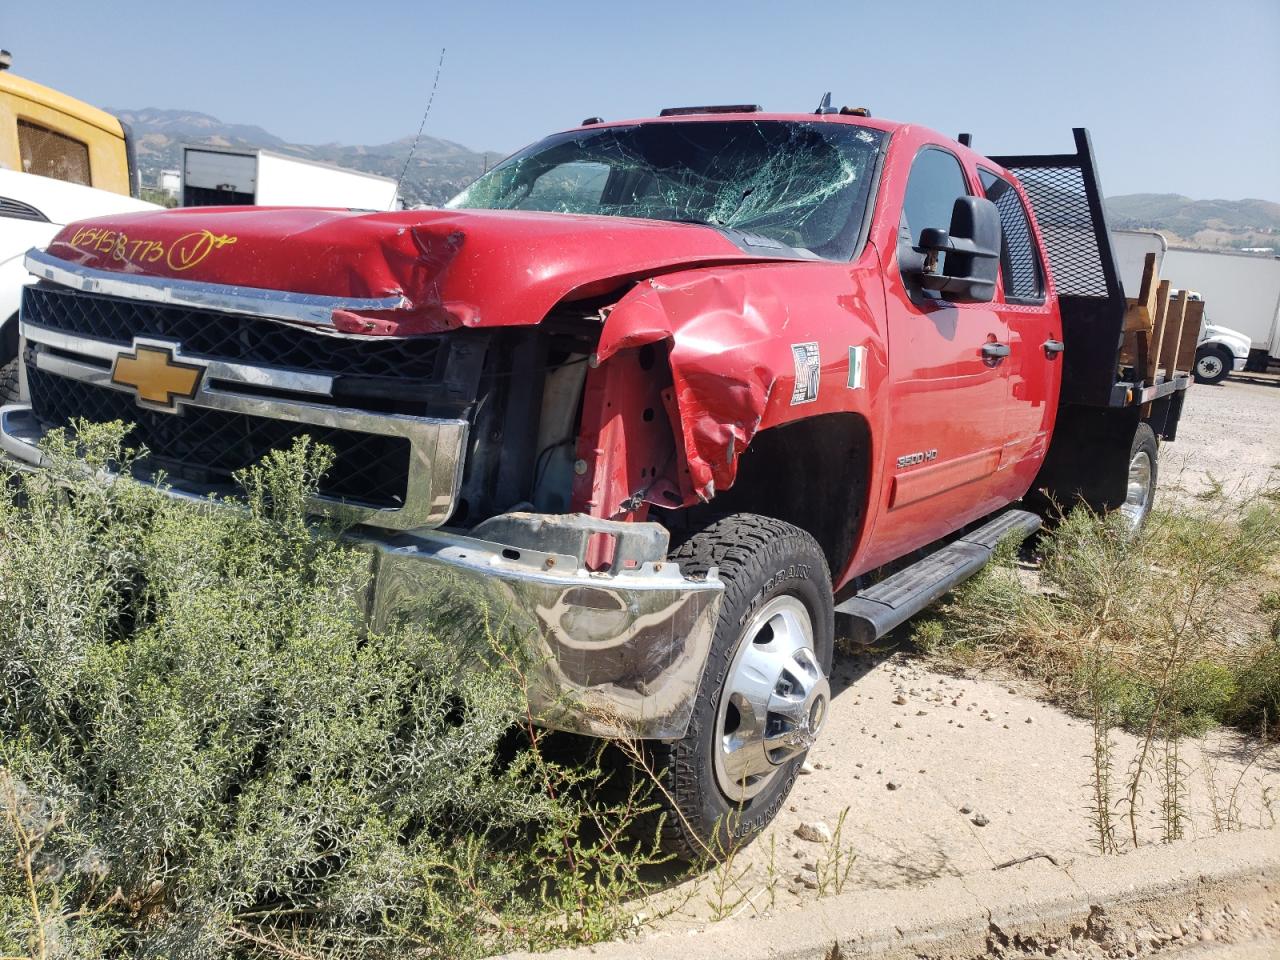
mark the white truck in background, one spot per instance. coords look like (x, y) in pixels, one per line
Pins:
(221, 177)
(1241, 292)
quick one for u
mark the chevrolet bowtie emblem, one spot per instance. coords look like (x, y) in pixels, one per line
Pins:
(159, 380)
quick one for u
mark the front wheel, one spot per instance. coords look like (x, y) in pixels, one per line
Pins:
(1213, 364)
(764, 694)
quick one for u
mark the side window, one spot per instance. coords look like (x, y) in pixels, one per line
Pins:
(936, 181)
(52, 154)
(1019, 257)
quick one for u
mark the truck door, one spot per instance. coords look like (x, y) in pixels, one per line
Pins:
(948, 395)
(1034, 364)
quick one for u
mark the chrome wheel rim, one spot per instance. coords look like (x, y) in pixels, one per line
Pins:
(1209, 366)
(1137, 498)
(774, 701)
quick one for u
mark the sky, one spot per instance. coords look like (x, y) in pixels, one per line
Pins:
(1180, 96)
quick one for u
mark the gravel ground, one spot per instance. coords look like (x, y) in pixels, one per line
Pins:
(1229, 434)
(945, 775)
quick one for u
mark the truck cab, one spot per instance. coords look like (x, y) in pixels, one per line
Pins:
(666, 397)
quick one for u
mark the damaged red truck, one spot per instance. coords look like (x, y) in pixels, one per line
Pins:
(675, 396)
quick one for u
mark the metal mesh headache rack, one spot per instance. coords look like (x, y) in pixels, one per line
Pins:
(1109, 358)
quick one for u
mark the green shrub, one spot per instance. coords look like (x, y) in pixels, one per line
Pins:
(205, 754)
(1256, 704)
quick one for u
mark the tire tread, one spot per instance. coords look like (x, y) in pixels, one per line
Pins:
(740, 546)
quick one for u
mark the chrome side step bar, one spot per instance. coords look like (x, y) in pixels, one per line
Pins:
(894, 600)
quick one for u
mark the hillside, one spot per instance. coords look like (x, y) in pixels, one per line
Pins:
(1206, 223)
(440, 168)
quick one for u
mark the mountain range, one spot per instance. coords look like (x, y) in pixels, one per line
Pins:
(440, 168)
(1204, 223)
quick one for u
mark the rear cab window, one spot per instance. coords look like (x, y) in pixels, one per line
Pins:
(49, 153)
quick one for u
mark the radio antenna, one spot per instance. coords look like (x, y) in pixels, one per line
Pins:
(421, 126)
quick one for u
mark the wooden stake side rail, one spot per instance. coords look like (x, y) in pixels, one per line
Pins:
(1160, 331)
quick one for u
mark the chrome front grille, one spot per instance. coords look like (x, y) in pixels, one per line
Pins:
(259, 384)
(202, 449)
(235, 337)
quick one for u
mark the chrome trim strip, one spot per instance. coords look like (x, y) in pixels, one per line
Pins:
(307, 308)
(276, 378)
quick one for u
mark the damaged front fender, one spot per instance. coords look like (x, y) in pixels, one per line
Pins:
(752, 348)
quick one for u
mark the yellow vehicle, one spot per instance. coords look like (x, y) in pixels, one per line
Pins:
(53, 135)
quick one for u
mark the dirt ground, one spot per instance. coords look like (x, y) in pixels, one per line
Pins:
(1228, 435)
(946, 775)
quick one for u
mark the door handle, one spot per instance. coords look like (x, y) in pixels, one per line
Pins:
(995, 351)
(1053, 347)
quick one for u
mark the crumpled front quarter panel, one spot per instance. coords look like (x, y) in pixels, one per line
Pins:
(738, 337)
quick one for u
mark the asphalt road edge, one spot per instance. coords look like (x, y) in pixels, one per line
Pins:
(1001, 912)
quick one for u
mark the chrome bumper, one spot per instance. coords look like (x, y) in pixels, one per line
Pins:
(610, 655)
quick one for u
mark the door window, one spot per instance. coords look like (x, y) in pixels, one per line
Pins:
(936, 181)
(1019, 256)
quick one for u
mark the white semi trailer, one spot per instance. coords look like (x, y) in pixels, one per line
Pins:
(1241, 292)
(212, 176)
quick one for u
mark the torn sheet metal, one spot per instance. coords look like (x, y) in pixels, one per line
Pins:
(730, 334)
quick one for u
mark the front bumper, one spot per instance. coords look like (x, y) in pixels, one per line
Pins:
(611, 655)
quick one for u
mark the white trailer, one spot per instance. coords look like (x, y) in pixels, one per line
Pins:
(1241, 291)
(216, 177)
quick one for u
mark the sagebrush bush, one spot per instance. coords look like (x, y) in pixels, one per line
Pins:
(1255, 704)
(1144, 621)
(205, 753)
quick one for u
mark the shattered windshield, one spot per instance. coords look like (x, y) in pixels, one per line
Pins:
(801, 185)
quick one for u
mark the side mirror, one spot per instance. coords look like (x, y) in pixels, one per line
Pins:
(972, 249)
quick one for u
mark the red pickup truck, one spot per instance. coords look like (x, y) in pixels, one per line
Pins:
(675, 396)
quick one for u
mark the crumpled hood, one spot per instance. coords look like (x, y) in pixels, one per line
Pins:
(449, 268)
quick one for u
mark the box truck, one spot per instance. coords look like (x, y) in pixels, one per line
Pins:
(1241, 293)
(218, 177)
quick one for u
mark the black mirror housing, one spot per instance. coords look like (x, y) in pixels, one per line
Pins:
(972, 248)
